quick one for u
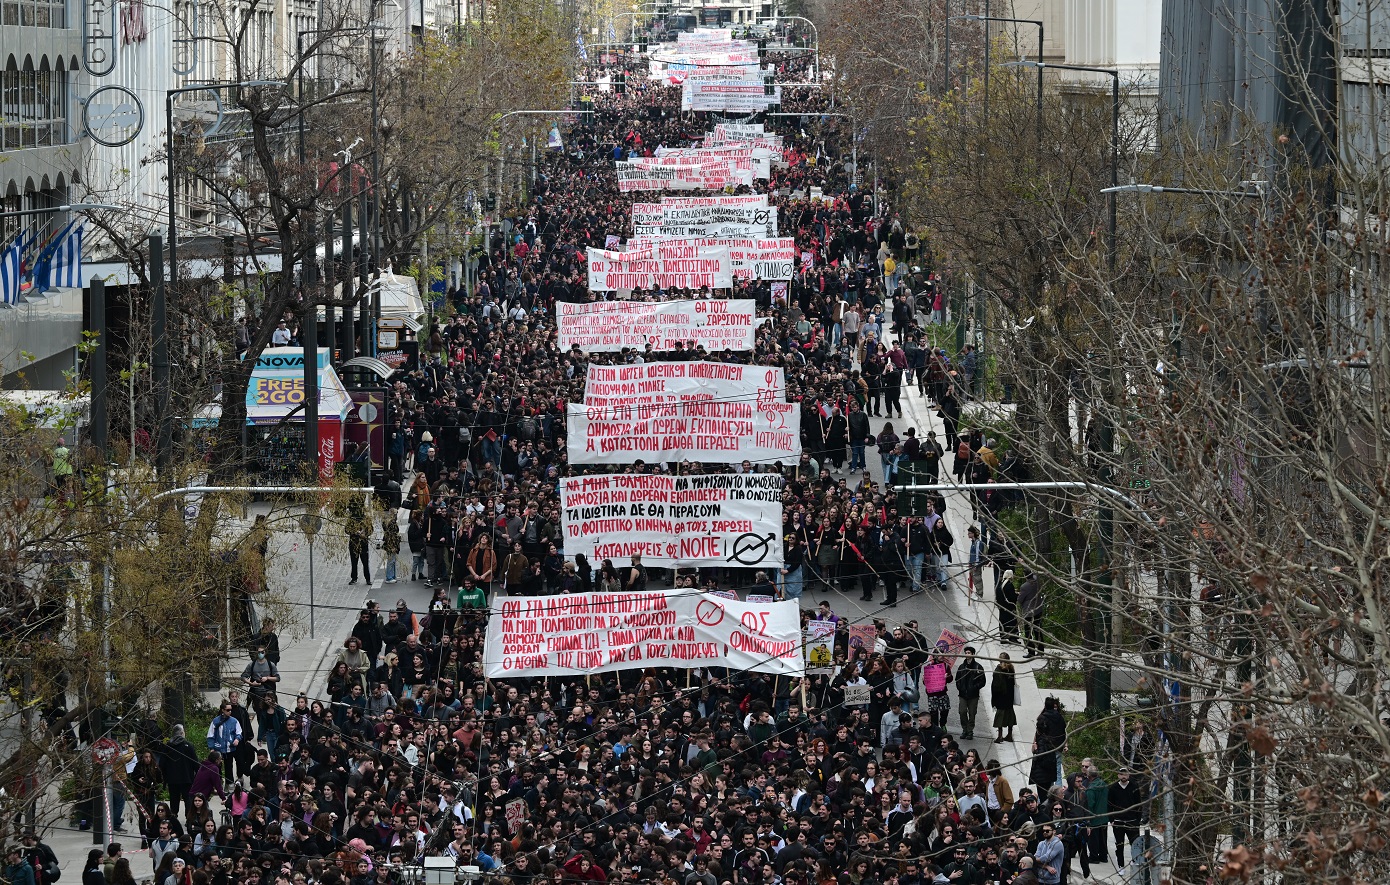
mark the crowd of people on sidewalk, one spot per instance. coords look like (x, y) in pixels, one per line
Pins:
(705, 777)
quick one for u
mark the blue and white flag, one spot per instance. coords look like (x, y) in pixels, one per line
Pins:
(579, 42)
(65, 268)
(553, 140)
(612, 34)
(39, 270)
(10, 269)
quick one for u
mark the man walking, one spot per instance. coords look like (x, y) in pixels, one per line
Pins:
(970, 681)
(179, 763)
(1123, 808)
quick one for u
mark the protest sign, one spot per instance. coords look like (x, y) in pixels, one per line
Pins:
(716, 412)
(660, 266)
(756, 160)
(583, 633)
(515, 814)
(861, 640)
(605, 326)
(644, 175)
(721, 519)
(646, 219)
(819, 641)
(858, 695)
(744, 215)
(950, 642)
(742, 96)
(750, 259)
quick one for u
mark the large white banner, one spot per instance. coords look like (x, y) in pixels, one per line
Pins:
(755, 160)
(603, 326)
(722, 519)
(643, 174)
(714, 412)
(675, 266)
(769, 259)
(745, 215)
(581, 633)
(743, 96)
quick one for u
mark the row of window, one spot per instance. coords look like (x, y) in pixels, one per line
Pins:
(34, 13)
(33, 108)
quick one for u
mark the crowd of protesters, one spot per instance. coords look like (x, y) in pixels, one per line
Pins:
(700, 777)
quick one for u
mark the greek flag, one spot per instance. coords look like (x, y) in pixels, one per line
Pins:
(10, 269)
(40, 271)
(65, 269)
(612, 34)
(579, 42)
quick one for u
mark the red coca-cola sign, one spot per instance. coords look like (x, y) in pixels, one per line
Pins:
(330, 446)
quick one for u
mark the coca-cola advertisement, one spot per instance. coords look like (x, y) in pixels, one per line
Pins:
(330, 446)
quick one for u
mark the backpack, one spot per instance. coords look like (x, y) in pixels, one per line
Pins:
(963, 451)
(526, 428)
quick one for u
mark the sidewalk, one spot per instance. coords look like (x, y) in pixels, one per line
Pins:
(978, 622)
(304, 659)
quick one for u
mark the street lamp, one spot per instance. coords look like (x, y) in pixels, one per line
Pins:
(67, 207)
(1105, 433)
(1257, 192)
(1114, 138)
(1017, 21)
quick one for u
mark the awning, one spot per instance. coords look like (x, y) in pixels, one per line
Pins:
(400, 295)
(372, 364)
(277, 387)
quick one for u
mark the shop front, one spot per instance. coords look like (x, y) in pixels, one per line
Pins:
(275, 414)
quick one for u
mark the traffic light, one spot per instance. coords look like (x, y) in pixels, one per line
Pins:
(490, 203)
(620, 83)
(769, 88)
(762, 50)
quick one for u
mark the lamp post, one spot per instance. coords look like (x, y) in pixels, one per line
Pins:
(1017, 21)
(1114, 75)
(1098, 693)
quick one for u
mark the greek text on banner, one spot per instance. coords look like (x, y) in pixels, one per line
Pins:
(603, 326)
(718, 412)
(581, 633)
(721, 519)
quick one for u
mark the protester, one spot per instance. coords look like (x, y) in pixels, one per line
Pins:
(650, 774)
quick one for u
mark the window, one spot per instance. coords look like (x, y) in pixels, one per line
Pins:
(33, 108)
(33, 13)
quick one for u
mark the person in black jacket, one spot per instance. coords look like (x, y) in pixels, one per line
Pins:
(439, 537)
(970, 681)
(91, 870)
(860, 435)
(179, 761)
(1125, 804)
(368, 632)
